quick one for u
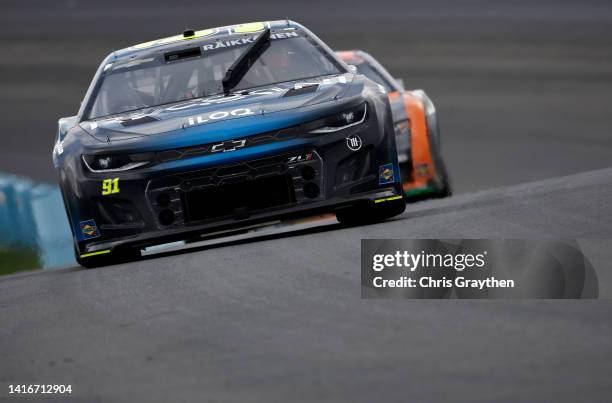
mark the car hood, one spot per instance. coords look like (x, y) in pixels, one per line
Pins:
(211, 111)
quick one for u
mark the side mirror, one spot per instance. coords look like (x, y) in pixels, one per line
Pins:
(352, 68)
(400, 82)
(65, 124)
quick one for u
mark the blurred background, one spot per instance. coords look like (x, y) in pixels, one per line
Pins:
(523, 88)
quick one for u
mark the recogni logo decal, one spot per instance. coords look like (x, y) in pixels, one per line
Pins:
(354, 142)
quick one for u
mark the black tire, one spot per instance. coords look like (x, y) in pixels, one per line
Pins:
(443, 184)
(370, 213)
(442, 180)
(91, 262)
(406, 171)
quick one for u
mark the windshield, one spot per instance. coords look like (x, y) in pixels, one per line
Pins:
(144, 83)
(367, 70)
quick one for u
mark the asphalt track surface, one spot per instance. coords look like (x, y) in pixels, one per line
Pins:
(282, 319)
(524, 92)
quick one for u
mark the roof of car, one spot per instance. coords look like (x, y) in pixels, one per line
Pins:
(209, 33)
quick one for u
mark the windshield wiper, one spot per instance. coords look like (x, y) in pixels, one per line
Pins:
(244, 62)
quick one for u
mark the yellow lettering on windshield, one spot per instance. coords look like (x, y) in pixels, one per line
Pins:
(198, 34)
(248, 28)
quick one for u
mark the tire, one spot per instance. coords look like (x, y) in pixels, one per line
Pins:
(405, 169)
(91, 262)
(440, 186)
(442, 180)
(443, 185)
(370, 213)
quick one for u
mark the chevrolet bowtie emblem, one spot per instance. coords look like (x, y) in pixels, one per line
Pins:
(230, 145)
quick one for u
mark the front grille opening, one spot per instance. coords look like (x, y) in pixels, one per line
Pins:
(354, 168)
(236, 199)
(118, 212)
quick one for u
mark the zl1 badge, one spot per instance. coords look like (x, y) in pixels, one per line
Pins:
(110, 186)
(386, 174)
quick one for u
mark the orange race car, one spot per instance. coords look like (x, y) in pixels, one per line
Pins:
(416, 127)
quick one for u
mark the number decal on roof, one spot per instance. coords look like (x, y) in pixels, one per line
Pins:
(248, 28)
(198, 34)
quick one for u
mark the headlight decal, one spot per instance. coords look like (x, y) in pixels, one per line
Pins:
(115, 163)
(340, 121)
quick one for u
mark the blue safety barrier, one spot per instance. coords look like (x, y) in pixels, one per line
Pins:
(32, 215)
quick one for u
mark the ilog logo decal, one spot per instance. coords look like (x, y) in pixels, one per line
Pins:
(89, 229)
(218, 115)
(386, 174)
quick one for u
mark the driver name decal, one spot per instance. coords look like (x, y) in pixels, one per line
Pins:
(245, 40)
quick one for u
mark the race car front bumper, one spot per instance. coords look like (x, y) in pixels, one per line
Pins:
(183, 198)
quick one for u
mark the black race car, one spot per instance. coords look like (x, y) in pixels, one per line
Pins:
(222, 128)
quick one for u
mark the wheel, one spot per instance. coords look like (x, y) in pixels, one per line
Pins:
(406, 171)
(91, 262)
(442, 181)
(369, 213)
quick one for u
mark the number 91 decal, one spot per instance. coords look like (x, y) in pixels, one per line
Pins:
(110, 186)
